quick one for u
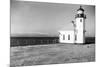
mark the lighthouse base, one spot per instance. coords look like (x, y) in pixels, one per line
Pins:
(79, 43)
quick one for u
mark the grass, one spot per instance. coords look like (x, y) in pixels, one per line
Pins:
(51, 54)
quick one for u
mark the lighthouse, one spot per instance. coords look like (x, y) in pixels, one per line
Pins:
(77, 35)
(79, 26)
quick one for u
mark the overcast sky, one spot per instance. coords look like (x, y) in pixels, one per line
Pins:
(32, 18)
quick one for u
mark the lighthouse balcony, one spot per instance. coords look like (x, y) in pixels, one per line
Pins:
(80, 16)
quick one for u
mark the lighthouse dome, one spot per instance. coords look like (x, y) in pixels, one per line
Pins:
(80, 9)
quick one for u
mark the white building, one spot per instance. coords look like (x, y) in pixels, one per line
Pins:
(78, 34)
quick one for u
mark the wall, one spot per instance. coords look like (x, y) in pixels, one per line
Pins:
(66, 33)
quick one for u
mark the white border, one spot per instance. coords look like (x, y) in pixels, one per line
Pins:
(5, 32)
(88, 2)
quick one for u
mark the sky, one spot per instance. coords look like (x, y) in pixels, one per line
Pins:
(46, 19)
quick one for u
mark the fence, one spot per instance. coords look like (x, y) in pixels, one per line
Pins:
(23, 41)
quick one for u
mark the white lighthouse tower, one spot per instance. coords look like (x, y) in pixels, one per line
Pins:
(79, 26)
(78, 34)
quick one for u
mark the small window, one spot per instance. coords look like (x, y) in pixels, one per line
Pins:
(80, 20)
(63, 37)
(75, 37)
(68, 37)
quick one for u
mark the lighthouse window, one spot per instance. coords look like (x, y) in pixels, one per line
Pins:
(80, 20)
(68, 37)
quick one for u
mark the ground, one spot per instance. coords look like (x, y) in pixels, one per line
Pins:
(51, 54)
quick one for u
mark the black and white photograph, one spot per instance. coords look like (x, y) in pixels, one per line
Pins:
(45, 33)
